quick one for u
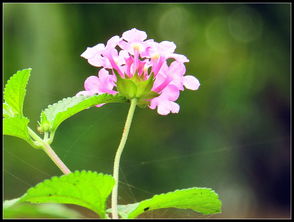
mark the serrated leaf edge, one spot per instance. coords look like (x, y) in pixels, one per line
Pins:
(11, 79)
(212, 192)
(46, 111)
(75, 173)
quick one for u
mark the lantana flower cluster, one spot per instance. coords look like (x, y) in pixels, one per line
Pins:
(138, 68)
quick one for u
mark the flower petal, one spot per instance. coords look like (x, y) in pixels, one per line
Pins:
(103, 73)
(167, 48)
(92, 51)
(92, 84)
(171, 92)
(165, 107)
(112, 42)
(96, 61)
(134, 35)
(177, 68)
(174, 107)
(179, 58)
(190, 82)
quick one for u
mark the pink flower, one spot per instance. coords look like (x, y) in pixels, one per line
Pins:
(138, 68)
(165, 101)
(133, 41)
(104, 83)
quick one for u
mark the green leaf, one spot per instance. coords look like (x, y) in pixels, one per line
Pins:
(8, 111)
(15, 90)
(144, 87)
(145, 100)
(13, 209)
(85, 188)
(17, 126)
(10, 203)
(126, 87)
(201, 200)
(55, 114)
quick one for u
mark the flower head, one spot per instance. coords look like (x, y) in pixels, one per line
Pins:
(138, 68)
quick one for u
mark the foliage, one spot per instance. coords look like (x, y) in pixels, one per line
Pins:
(85, 188)
(55, 114)
(201, 200)
(91, 190)
(14, 93)
(14, 209)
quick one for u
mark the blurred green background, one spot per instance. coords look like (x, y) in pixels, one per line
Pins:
(232, 135)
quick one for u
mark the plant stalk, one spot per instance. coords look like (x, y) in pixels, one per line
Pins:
(50, 152)
(118, 155)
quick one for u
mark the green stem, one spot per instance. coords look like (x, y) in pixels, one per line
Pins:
(50, 152)
(118, 155)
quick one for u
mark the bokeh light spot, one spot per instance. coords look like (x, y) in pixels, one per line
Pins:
(245, 24)
(217, 34)
(174, 24)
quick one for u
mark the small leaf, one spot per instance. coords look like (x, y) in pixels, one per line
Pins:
(55, 114)
(145, 100)
(144, 87)
(15, 90)
(202, 200)
(126, 87)
(87, 189)
(17, 126)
